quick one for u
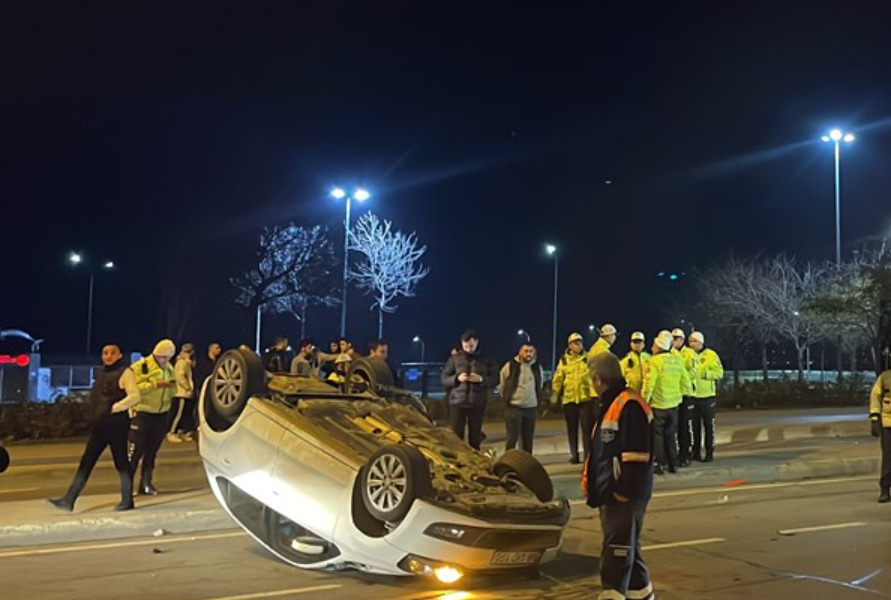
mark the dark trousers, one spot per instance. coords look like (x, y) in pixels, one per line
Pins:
(622, 567)
(685, 429)
(110, 431)
(885, 480)
(665, 436)
(470, 417)
(703, 418)
(147, 431)
(519, 424)
(581, 413)
(182, 416)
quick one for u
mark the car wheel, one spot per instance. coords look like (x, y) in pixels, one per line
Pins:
(393, 478)
(523, 467)
(4, 459)
(237, 376)
(368, 373)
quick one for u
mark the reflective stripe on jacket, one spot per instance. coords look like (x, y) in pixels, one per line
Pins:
(571, 382)
(153, 399)
(709, 371)
(666, 381)
(880, 400)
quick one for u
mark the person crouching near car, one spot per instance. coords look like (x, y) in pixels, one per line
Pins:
(520, 388)
(156, 382)
(618, 479)
(114, 392)
(467, 378)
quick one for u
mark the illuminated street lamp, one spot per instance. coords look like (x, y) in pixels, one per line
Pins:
(524, 333)
(75, 258)
(360, 195)
(836, 136)
(417, 339)
(552, 251)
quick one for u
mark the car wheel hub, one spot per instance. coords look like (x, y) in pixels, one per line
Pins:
(228, 381)
(387, 482)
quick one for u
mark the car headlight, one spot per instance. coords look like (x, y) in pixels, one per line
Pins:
(443, 572)
(446, 531)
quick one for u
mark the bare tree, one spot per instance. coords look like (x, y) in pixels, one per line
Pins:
(854, 303)
(294, 267)
(389, 265)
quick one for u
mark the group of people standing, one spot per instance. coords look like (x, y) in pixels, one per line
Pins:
(133, 408)
(678, 382)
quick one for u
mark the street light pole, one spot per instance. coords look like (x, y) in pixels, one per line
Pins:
(90, 313)
(417, 339)
(525, 334)
(360, 195)
(346, 254)
(836, 136)
(552, 251)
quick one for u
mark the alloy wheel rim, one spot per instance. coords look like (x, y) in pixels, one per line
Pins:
(387, 482)
(228, 381)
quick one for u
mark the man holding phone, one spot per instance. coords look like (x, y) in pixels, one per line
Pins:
(467, 378)
(157, 383)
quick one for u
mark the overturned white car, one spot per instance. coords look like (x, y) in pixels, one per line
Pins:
(361, 478)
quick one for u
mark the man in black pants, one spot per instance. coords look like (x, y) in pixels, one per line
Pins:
(520, 387)
(467, 378)
(156, 383)
(114, 391)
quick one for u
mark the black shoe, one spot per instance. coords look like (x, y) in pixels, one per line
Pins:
(658, 470)
(574, 460)
(62, 504)
(672, 469)
(884, 496)
(709, 457)
(684, 462)
(697, 457)
(147, 489)
(124, 505)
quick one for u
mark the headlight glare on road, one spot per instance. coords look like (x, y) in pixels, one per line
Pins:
(448, 574)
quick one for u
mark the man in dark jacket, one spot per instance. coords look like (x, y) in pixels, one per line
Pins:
(618, 479)
(467, 378)
(520, 387)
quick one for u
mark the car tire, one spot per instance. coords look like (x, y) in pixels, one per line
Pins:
(367, 373)
(391, 481)
(4, 459)
(237, 376)
(526, 469)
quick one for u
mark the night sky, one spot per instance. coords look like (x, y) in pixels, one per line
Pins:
(638, 137)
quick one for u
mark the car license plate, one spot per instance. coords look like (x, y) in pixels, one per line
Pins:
(515, 558)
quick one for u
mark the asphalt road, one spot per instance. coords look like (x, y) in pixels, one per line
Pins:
(820, 539)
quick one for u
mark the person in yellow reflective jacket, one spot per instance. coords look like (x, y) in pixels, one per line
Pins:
(603, 344)
(666, 382)
(708, 372)
(880, 417)
(571, 385)
(634, 363)
(157, 383)
(685, 410)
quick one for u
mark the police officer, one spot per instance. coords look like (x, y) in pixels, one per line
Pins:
(687, 406)
(880, 416)
(634, 362)
(156, 382)
(666, 382)
(708, 371)
(571, 385)
(618, 480)
(114, 392)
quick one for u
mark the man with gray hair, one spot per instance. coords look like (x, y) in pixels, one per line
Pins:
(618, 479)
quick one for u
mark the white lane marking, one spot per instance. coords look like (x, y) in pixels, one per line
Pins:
(682, 544)
(15, 491)
(749, 487)
(153, 541)
(821, 528)
(291, 592)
